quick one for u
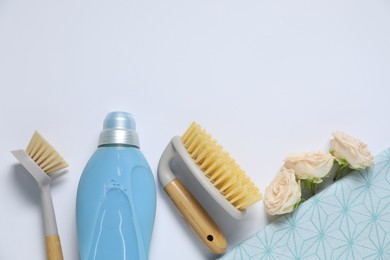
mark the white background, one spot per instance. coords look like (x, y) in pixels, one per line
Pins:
(264, 77)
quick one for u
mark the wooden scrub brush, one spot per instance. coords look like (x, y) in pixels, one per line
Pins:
(217, 172)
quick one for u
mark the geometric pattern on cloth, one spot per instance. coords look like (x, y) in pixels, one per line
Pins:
(350, 219)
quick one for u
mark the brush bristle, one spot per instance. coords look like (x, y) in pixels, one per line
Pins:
(44, 155)
(223, 171)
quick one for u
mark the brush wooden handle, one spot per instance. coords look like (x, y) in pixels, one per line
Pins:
(196, 217)
(53, 248)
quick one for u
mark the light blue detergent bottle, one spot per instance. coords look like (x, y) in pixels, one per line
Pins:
(116, 196)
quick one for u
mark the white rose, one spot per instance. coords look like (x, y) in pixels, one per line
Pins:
(352, 150)
(312, 166)
(282, 195)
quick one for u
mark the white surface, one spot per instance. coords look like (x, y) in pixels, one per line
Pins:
(265, 78)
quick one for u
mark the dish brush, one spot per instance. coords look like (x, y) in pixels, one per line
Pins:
(41, 160)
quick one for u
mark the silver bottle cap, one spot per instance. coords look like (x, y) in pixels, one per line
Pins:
(119, 128)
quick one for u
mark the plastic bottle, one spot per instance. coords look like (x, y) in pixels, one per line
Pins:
(116, 196)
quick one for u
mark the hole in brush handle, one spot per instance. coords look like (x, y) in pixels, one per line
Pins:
(196, 217)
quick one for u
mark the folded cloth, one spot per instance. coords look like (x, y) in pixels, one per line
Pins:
(350, 219)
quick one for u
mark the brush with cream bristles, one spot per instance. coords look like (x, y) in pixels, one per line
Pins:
(41, 160)
(218, 173)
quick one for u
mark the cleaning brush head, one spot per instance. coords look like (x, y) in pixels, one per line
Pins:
(44, 155)
(220, 168)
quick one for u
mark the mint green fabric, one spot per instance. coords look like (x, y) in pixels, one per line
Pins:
(350, 219)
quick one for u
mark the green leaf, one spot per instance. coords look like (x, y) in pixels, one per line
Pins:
(341, 170)
(297, 204)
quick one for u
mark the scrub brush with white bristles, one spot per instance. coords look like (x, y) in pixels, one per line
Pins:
(41, 160)
(219, 175)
